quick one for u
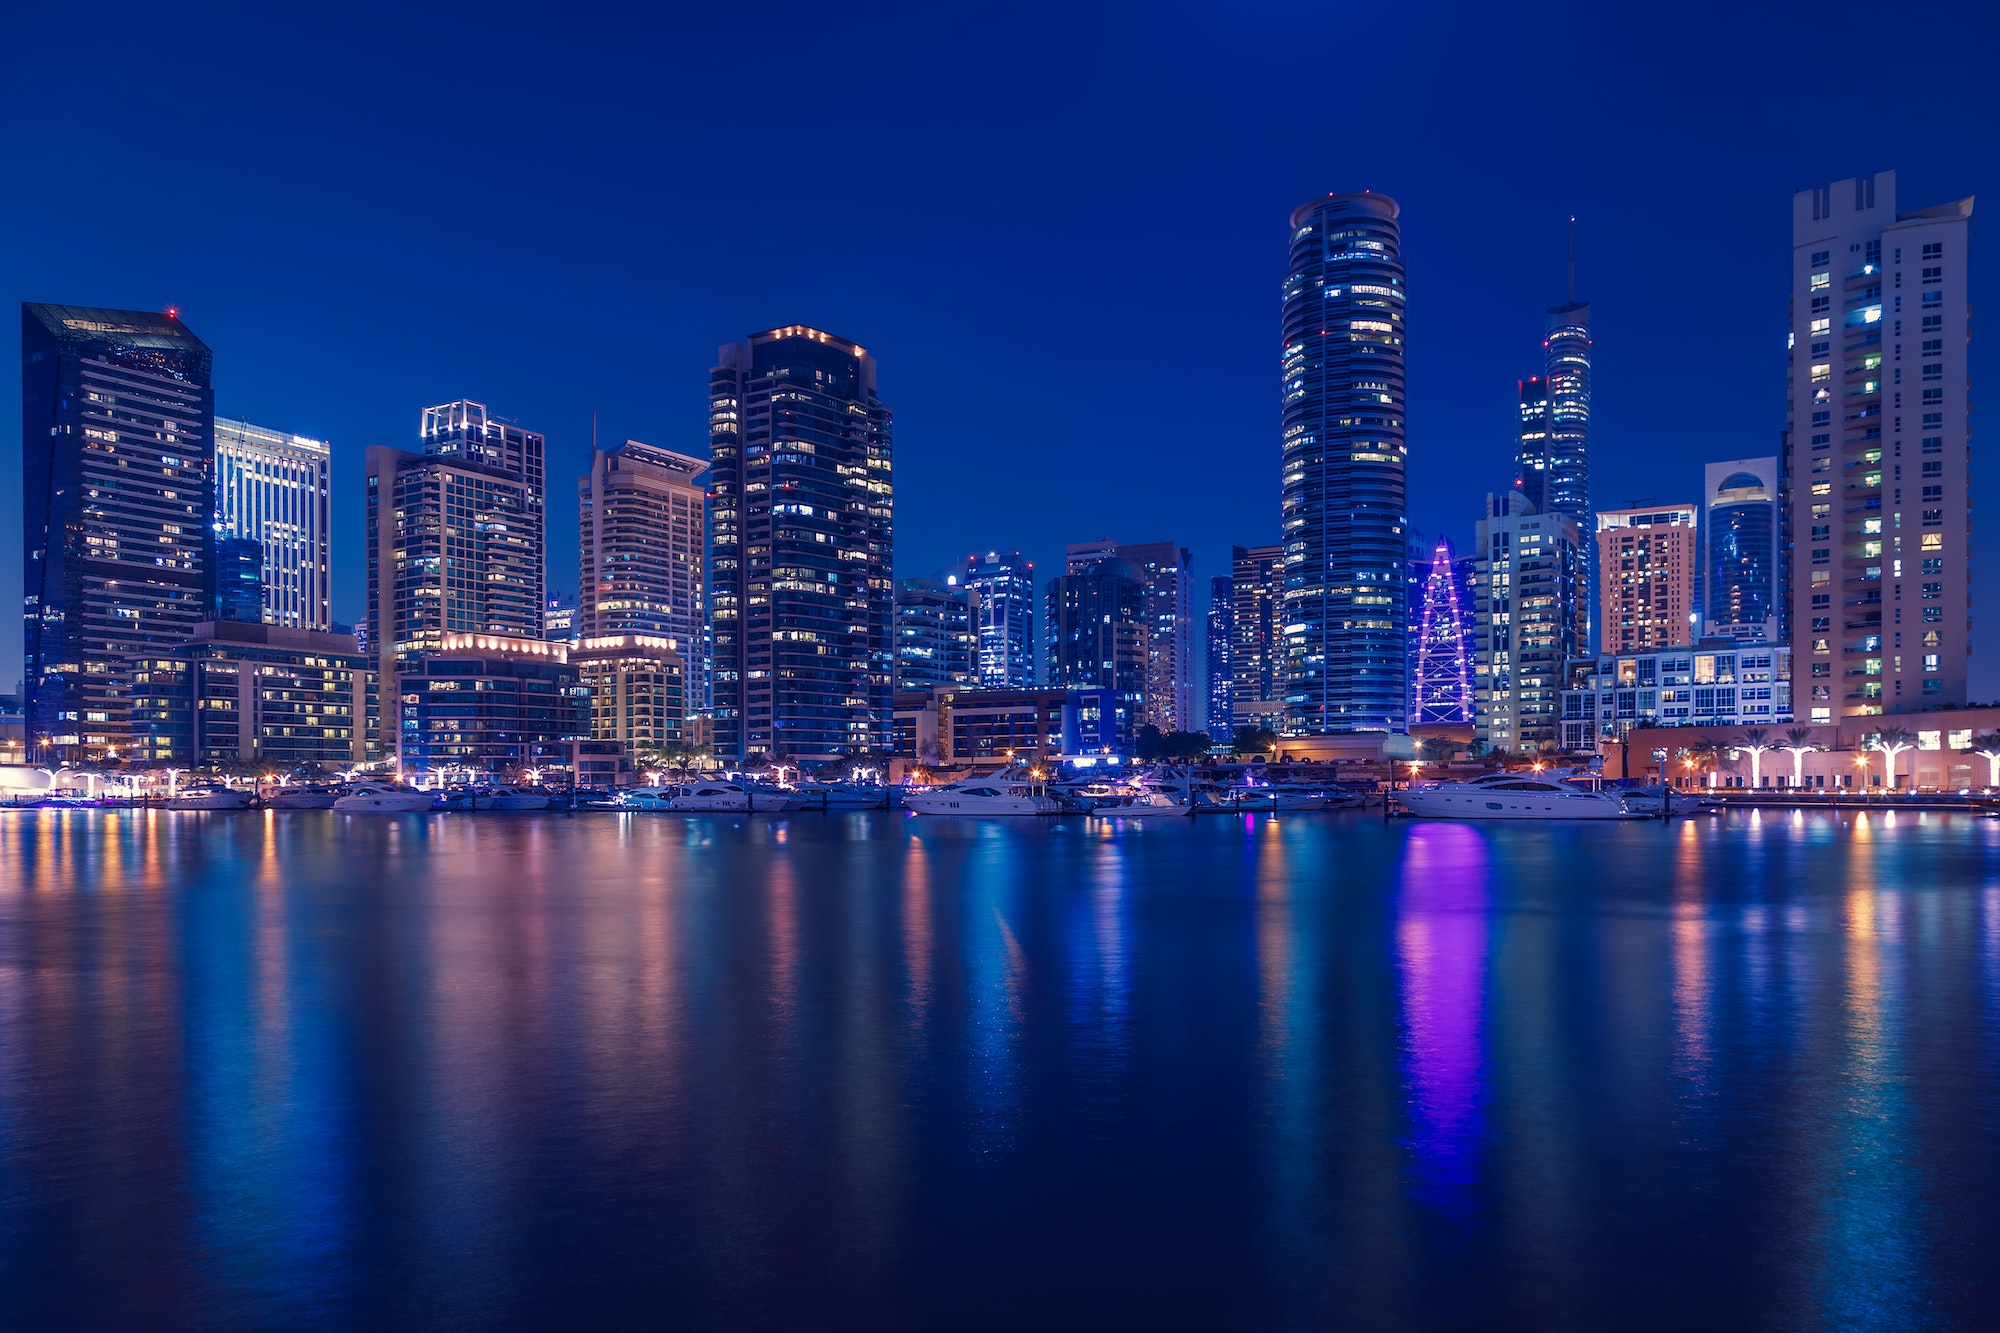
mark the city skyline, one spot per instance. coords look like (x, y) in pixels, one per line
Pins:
(349, 274)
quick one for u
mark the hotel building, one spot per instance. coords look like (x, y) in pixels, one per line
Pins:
(276, 489)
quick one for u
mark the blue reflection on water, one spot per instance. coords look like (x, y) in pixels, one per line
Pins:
(263, 1071)
(1441, 954)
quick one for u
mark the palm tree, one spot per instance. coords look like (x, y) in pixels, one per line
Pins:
(1756, 741)
(1437, 750)
(1891, 741)
(1799, 743)
(1989, 749)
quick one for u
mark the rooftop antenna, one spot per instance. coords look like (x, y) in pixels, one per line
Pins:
(1572, 259)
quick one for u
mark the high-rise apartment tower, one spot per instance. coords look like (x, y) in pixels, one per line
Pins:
(456, 538)
(802, 527)
(1880, 445)
(1647, 561)
(1343, 454)
(117, 452)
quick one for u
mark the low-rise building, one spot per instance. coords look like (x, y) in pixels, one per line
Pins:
(950, 727)
(491, 705)
(638, 688)
(1719, 682)
(241, 691)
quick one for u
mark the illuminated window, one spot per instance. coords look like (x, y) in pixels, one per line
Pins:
(1821, 281)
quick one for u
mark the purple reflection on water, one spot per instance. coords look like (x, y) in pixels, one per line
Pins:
(1441, 929)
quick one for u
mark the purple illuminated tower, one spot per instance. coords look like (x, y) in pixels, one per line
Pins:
(1443, 673)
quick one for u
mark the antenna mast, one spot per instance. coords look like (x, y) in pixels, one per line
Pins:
(1572, 259)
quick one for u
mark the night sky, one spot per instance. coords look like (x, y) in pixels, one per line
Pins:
(1061, 228)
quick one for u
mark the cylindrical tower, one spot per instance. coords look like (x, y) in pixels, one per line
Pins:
(1345, 615)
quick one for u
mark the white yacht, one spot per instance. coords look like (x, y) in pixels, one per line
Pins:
(839, 796)
(983, 796)
(518, 798)
(312, 796)
(1513, 796)
(1149, 803)
(646, 798)
(711, 797)
(383, 798)
(1273, 798)
(210, 798)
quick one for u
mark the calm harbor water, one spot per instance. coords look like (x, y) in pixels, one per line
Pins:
(268, 1070)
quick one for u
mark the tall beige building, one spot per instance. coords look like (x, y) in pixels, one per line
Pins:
(642, 532)
(1647, 559)
(1878, 452)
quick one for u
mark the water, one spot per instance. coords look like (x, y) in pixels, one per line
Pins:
(599, 1071)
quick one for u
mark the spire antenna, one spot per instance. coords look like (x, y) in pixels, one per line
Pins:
(1572, 259)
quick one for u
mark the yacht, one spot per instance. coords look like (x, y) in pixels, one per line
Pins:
(383, 798)
(1513, 796)
(311, 796)
(1149, 803)
(983, 796)
(839, 796)
(647, 798)
(1646, 801)
(210, 798)
(518, 798)
(1274, 799)
(711, 797)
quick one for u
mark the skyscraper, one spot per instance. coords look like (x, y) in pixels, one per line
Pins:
(456, 538)
(1164, 569)
(641, 527)
(1532, 461)
(1740, 549)
(1530, 575)
(1002, 589)
(1443, 630)
(1342, 520)
(1257, 651)
(117, 457)
(1098, 629)
(276, 489)
(1221, 643)
(1879, 449)
(801, 582)
(935, 636)
(1647, 559)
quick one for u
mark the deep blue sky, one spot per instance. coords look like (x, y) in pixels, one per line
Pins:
(1061, 228)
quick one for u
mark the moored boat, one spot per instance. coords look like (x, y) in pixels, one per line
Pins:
(980, 797)
(206, 797)
(1513, 796)
(383, 798)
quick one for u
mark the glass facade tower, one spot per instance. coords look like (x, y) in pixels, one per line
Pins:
(1344, 615)
(117, 458)
(1001, 587)
(1740, 543)
(456, 539)
(801, 582)
(276, 489)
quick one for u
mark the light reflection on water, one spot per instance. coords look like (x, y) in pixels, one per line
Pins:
(285, 1069)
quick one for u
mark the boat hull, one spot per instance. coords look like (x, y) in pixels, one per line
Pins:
(413, 803)
(220, 800)
(302, 800)
(1509, 806)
